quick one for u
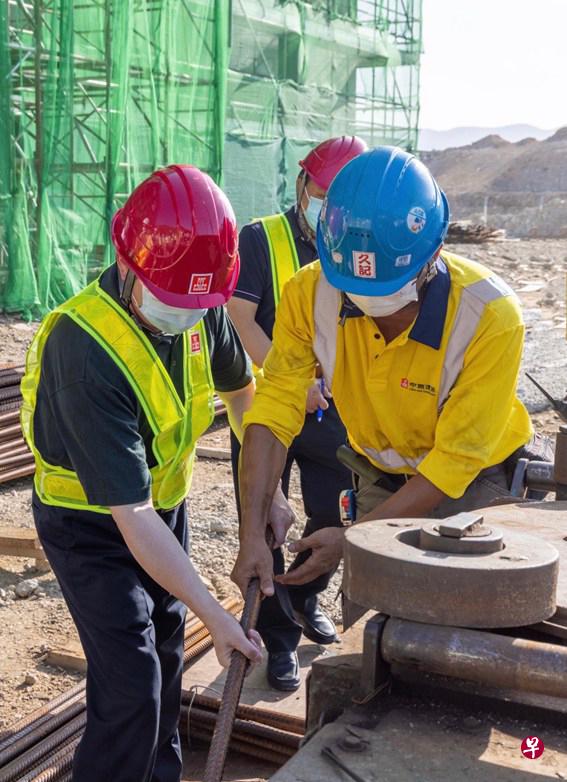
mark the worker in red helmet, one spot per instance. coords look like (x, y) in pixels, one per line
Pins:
(118, 388)
(272, 249)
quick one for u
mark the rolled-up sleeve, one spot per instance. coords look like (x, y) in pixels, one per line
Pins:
(480, 413)
(289, 368)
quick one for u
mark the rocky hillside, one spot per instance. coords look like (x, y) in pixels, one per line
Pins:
(518, 186)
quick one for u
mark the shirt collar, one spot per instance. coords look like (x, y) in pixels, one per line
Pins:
(430, 322)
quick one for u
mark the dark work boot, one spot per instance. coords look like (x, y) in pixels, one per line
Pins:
(317, 626)
(283, 671)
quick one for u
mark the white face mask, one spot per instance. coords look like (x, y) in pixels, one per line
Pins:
(313, 211)
(169, 320)
(382, 306)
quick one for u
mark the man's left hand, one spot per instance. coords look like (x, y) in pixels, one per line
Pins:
(326, 552)
(281, 517)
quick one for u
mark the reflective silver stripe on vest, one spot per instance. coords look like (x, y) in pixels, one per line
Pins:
(469, 312)
(391, 458)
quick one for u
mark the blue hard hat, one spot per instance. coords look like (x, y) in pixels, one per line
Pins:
(383, 219)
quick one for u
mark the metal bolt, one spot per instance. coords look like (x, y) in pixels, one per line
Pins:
(351, 743)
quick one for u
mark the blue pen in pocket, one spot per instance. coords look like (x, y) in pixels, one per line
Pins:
(320, 410)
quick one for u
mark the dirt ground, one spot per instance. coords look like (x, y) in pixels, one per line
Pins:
(29, 627)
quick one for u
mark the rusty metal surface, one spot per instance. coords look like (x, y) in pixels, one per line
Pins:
(385, 569)
(421, 742)
(547, 520)
(487, 658)
(481, 540)
(232, 689)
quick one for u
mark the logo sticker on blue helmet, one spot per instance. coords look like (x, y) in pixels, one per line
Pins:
(364, 264)
(416, 219)
(402, 260)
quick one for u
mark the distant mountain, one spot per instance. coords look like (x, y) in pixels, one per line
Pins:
(520, 186)
(460, 137)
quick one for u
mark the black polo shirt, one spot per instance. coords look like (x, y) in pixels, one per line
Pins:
(255, 282)
(87, 417)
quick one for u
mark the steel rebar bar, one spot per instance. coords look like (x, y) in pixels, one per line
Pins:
(233, 686)
(273, 719)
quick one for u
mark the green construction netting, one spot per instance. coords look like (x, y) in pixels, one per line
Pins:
(97, 93)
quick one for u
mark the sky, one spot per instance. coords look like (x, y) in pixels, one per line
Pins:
(493, 63)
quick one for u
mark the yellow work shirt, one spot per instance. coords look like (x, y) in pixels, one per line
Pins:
(388, 396)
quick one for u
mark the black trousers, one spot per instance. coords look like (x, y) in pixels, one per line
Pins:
(322, 480)
(132, 634)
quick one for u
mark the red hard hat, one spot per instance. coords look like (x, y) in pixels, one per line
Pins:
(178, 234)
(325, 161)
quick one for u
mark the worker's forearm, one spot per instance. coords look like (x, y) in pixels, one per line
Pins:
(159, 553)
(262, 461)
(237, 403)
(255, 341)
(418, 497)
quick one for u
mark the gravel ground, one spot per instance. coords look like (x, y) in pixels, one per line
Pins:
(28, 627)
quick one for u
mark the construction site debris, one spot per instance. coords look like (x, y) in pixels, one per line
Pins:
(467, 232)
(26, 588)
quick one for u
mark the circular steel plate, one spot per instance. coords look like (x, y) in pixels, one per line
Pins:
(385, 569)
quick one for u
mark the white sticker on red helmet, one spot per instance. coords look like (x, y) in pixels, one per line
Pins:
(416, 219)
(402, 260)
(364, 264)
(200, 283)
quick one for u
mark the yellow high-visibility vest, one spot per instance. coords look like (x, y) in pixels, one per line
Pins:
(284, 262)
(282, 250)
(176, 424)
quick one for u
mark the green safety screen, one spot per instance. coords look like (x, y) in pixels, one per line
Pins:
(98, 93)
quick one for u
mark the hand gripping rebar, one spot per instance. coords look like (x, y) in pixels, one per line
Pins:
(234, 681)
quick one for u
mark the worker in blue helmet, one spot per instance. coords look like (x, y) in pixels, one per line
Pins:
(420, 348)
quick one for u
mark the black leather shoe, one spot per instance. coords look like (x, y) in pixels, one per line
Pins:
(317, 626)
(283, 671)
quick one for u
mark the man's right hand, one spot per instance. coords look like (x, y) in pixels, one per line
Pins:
(254, 560)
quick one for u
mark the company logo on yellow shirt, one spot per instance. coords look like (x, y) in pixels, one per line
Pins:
(422, 388)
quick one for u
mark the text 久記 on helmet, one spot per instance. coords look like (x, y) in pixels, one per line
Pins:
(383, 219)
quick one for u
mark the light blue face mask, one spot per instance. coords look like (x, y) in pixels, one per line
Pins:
(313, 211)
(169, 320)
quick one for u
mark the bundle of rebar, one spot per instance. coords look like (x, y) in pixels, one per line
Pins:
(16, 459)
(40, 747)
(257, 732)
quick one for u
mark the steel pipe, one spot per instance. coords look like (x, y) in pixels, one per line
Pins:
(487, 658)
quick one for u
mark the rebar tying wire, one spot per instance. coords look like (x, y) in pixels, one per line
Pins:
(193, 691)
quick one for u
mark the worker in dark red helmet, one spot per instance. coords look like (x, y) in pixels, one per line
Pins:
(272, 249)
(118, 388)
